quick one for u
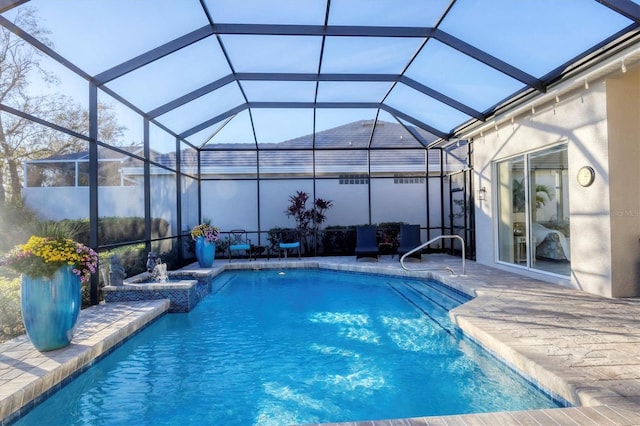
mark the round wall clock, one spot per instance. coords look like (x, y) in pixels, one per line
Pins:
(586, 175)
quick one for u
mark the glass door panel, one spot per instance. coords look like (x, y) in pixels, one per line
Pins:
(512, 244)
(549, 210)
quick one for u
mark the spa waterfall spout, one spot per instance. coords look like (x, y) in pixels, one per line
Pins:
(157, 269)
(159, 272)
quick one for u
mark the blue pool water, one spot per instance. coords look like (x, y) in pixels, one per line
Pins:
(296, 346)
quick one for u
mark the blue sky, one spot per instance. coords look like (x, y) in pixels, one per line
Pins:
(533, 35)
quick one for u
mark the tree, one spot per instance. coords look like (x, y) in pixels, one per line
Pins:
(16, 62)
(22, 139)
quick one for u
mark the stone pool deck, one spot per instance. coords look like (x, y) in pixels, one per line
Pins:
(583, 348)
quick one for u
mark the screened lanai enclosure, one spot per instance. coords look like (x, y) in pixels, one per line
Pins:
(177, 112)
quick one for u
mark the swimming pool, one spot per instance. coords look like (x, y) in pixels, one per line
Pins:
(296, 346)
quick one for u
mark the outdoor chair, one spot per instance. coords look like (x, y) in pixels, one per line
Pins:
(366, 242)
(239, 241)
(409, 239)
(288, 239)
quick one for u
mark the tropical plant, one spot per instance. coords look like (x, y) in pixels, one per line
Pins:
(61, 229)
(308, 220)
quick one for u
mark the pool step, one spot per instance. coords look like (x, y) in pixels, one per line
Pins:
(433, 304)
(438, 293)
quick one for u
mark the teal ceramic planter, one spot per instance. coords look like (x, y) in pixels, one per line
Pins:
(50, 308)
(205, 252)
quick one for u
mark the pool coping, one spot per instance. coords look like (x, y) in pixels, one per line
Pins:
(597, 368)
(29, 376)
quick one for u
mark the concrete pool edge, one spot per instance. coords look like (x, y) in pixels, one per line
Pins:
(100, 329)
(557, 349)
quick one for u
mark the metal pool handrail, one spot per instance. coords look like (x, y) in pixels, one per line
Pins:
(439, 237)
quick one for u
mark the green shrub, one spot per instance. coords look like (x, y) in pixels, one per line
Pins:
(10, 314)
(338, 240)
(19, 223)
(113, 230)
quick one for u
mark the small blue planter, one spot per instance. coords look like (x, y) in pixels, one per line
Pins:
(205, 252)
(50, 308)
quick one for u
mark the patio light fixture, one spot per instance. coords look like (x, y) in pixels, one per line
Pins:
(482, 193)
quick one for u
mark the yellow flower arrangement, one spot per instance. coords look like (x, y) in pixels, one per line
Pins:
(43, 256)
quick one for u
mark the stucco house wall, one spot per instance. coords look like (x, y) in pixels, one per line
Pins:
(599, 123)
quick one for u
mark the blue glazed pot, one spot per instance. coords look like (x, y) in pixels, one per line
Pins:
(205, 252)
(50, 308)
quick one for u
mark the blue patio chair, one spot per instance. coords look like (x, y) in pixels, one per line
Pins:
(288, 239)
(366, 242)
(238, 241)
(409, 239)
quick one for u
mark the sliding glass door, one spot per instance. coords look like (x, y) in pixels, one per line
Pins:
(533, 211)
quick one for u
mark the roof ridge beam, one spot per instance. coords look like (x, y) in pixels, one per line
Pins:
(153, 55)
(314, 105)
(321, 30)
(265, 76)
(490, 60)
